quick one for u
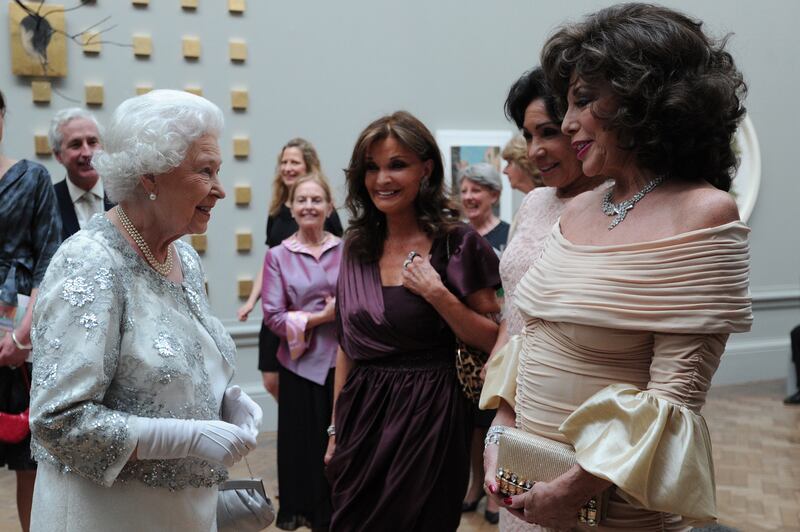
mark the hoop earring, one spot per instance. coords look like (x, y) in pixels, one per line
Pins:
(152, 196)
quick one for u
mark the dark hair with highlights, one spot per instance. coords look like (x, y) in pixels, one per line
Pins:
(678, 92)
(531, 86)
(436, 213)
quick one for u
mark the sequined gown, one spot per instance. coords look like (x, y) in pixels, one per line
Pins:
(617, 354)
(114, 339)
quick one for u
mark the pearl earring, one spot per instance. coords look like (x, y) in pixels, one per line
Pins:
(153, 196)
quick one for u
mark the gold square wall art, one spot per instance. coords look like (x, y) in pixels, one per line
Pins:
(236, 6)
(242, 194)
(38, 39)
(92, 42)
(197, 91)
(189, 4)
(41, 145)
(237, 49)
(142, 45)
(41, 91)
(199, 243)
(244, 286)
(94, 94)
(143, 89)
(244, 241)
(191, 47)
(240, 99)
(241, 147)
(140, 3)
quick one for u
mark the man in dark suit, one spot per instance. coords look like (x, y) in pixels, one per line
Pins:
(74, 137)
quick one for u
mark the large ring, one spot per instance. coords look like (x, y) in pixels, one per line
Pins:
(410, 259)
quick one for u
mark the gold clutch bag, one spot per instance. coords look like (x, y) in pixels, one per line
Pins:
(524, 459)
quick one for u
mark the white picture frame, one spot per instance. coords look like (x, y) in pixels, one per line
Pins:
(472, 146)
(747, 180)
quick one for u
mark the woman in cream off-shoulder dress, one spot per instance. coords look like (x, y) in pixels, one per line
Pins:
(628, 310)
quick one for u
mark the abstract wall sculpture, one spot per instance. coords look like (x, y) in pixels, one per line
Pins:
(199, 243)
(240, 99)
(143, 89)
(191, 47)
(244, 287)
(41, 91)
(41, 145)
(189, 4)
(237, 49)
(92, 43)
(244, 241)
(142, 45)
(94, 94)
(38, 39)
(241, 147)
(236, 6)
(242, 195)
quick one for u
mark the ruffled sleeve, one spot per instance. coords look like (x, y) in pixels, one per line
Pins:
(653, 444)
(473, 265)
(501, 376)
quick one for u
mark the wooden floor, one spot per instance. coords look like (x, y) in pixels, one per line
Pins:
(756, 452)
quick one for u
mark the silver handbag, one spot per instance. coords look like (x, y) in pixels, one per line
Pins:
(243, 506)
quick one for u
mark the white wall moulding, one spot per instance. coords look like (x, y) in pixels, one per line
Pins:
(776, 299)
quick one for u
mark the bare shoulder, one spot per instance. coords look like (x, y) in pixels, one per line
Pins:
(581, 204)
(705, 206)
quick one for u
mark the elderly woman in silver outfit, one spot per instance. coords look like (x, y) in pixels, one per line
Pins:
(132, 416)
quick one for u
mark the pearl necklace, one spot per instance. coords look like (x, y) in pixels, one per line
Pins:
(621, 209)
(162, 268)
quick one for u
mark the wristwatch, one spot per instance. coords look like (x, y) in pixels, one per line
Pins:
(331, 430)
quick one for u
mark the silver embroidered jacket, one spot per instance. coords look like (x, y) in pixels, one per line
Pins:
(111, 339)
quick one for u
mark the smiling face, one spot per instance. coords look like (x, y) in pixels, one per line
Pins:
(393, 176)
(80, 139)
(549, 148)
(292, 165)
(310, 206)
(191, 190)
(477, 200)
(595, 146)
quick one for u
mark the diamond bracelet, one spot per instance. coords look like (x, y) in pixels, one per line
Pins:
(493, 435)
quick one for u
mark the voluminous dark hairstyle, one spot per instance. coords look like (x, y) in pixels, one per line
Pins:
(2, 104)
(436, 213)
(678, 92)
(531, 86)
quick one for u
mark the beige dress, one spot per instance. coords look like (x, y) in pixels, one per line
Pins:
(618, 351)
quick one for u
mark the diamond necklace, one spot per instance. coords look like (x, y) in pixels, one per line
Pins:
(162, 268)
(621, 209)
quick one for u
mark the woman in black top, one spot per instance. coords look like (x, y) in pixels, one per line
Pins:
(297, 158)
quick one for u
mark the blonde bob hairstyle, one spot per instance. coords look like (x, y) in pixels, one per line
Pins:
(516, 151)
(280, 192)
(312, 178)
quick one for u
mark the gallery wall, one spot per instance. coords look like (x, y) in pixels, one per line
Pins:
(323, 70)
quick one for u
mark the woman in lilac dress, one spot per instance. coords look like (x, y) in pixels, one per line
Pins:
(412, 278)
(298, 297)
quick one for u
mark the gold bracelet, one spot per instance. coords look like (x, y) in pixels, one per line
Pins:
(19, 344)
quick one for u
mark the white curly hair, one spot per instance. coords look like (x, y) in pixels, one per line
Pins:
(150, 134)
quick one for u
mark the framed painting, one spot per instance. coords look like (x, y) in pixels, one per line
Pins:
(747, 180)
(38, 39)
(461, 148)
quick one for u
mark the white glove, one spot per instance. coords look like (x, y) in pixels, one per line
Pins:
(239, 409)
(215, 441)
